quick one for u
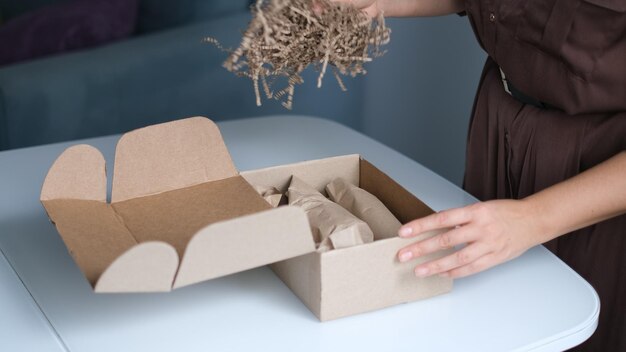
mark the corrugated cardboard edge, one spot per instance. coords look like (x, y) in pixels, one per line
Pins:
(256, 240)
(169, 156)
(146, 267)
(373, 271)
(316, 173)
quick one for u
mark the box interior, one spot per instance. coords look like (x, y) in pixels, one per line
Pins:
(318, 173)
(353, 280)
(176, 216)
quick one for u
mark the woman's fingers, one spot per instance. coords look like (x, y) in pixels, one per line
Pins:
(481, 264)
(464, 257)
(496, 231)
(436, 243)
(368, 6)
(440, 220)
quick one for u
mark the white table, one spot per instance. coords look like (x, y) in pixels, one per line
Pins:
(22, 325)
(533, 303)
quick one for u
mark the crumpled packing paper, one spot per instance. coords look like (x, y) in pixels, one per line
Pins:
(333, 226)
(365, 206)
(271, 195)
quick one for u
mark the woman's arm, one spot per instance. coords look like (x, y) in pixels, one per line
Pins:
(500, 230)
(406, 8)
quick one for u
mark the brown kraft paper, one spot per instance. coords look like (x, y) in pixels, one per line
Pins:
(271, 195)
(365, 206)
(333, 226)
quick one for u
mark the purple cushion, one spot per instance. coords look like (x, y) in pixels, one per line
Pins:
(66, 26)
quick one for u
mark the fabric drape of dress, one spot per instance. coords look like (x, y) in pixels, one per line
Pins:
(570, 55)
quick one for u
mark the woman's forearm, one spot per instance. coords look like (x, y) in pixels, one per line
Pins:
(407, 8)
(411, 8)
(499, 230)
(590, 197)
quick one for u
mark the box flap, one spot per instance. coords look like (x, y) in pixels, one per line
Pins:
(176, 216)
(74, 196)
(78, 173)
(244, 243)
(146, 267)
(169, 156)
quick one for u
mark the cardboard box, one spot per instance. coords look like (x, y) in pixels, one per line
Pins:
(347, 281)
(177, 194)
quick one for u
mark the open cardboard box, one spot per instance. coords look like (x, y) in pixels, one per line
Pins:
(177, 194)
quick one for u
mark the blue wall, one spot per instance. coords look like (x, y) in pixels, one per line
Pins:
(418, 97)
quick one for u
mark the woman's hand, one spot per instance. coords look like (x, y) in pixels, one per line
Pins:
(370, 7)
(494, 231)
(407, 8)
(500, 230)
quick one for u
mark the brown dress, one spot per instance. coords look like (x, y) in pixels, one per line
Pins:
(569, 55)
